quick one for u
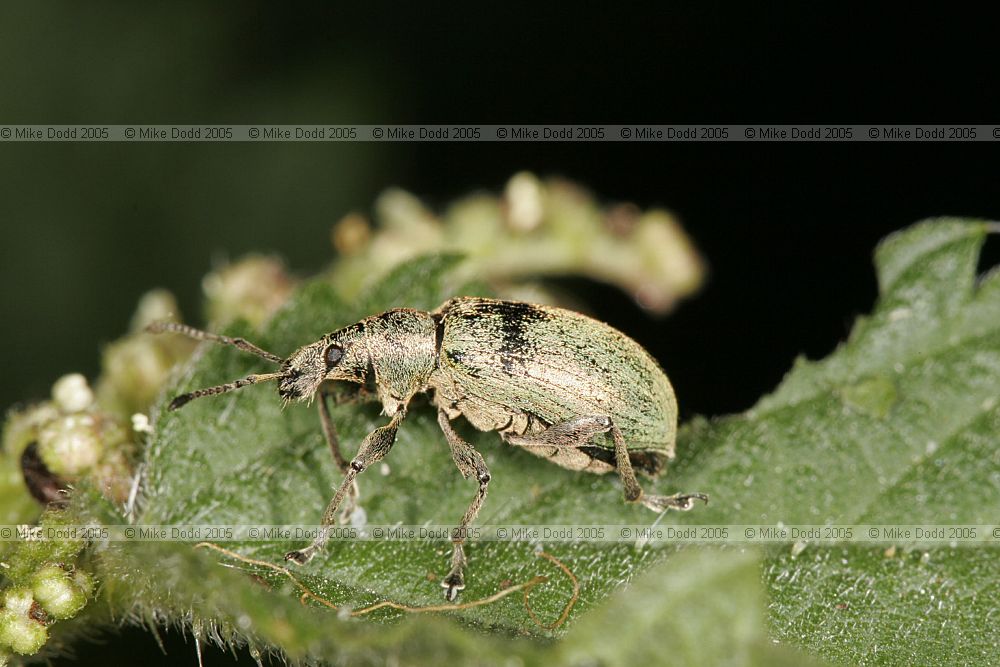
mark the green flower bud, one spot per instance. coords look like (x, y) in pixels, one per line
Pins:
(154, 306)
(525, 206)
(351, 234)
(135, 367)
(72, 393)
(18, 601)
(134, 370)
(70, 445)
(84, 582)
(19, 630)
(21, 634)
(22, 426)
(251, 288)
(58, 593)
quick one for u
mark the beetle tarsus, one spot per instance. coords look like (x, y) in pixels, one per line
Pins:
(678, 501)
(453, 584)
(301, 557)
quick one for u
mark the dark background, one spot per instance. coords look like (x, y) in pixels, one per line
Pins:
(788, 230)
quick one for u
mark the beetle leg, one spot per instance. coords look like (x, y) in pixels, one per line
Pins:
(572, 433)
(634, 492)
(470, 462)
(330, 432)
(375, 446)
(577, 432)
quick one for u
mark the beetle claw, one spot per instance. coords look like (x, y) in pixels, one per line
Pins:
(301, 557)
(453, 584)
(679, 501)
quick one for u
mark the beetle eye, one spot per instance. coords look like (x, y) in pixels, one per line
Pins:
(333, 356)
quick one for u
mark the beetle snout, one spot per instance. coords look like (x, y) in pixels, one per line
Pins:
(296, 385)
(288, 386)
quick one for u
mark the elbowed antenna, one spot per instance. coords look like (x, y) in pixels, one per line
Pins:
(239, 343)
(181, 400)
(198, 334)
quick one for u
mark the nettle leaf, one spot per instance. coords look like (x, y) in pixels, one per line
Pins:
(899, 424)
(700, 607)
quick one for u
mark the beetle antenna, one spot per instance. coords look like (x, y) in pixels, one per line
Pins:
(183, 399)
(198, 334)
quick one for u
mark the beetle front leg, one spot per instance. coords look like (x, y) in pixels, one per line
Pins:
(375, 446)
(470, 462)
(330, 433)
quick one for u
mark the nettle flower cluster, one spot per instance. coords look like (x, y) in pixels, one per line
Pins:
(92, 436)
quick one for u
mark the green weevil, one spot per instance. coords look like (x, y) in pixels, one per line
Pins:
(556, 383)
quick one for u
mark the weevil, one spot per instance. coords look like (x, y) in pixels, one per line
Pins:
(553, 382)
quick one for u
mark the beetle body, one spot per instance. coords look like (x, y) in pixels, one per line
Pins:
(554, 382)
(518, 368)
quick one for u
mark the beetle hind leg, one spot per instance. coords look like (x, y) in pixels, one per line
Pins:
(577, 432)
(561, 443)
(634, 492)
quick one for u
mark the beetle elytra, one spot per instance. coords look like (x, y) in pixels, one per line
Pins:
(559, 384)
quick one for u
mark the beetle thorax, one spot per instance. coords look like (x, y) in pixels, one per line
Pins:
(402, 350)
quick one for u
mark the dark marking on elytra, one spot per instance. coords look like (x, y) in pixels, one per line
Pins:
(517, 341)
(458, 359)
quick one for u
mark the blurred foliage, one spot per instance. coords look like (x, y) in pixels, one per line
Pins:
(534, 230)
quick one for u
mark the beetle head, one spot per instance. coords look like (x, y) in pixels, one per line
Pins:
(337, 356)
